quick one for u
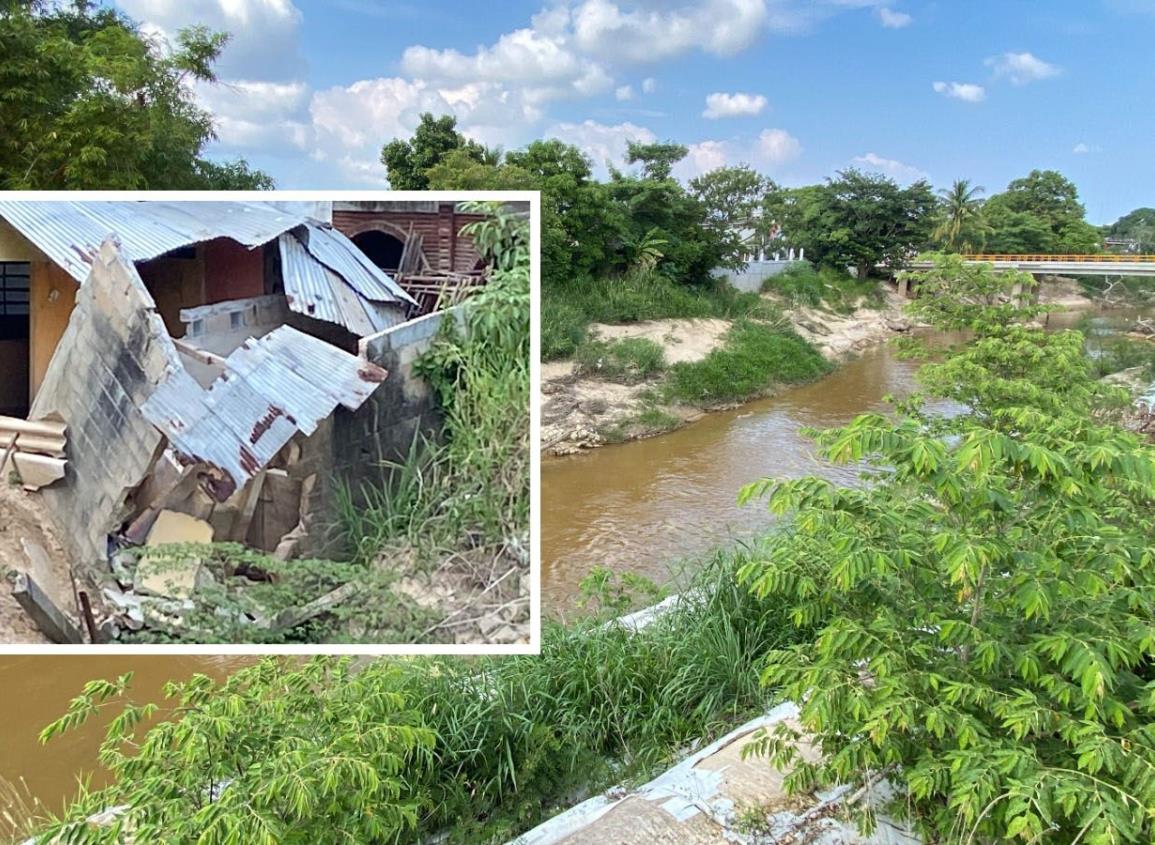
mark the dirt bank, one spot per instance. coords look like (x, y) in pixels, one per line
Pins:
(23, 521)
(581, 410)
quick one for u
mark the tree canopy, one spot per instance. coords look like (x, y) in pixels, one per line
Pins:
(408, 162)
(1039, 213)
(86, 101)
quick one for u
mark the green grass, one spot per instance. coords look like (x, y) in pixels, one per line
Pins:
(804, 284)
(628, 361)
(753, 358)
(567, 310)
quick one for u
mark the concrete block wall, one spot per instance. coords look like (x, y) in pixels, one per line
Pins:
(113, 352)
(750, 279)
(357, 447)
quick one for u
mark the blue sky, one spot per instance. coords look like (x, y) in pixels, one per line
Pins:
(987, 90)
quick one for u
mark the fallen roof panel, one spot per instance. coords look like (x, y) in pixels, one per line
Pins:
(273, 387)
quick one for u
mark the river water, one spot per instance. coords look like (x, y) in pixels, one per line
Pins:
(648, 505)
(35, 690)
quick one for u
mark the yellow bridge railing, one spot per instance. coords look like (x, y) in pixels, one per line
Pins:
(1105, 258)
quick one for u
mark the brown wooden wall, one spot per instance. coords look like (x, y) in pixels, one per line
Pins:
(446, 250)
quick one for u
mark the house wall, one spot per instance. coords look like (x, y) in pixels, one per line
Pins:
(445, 249)
(13, 381)
(356, 447)
(15, 247)
(52, 297)
(174, 283)
(232, 271)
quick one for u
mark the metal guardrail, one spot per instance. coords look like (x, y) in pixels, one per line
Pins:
(1105, 258)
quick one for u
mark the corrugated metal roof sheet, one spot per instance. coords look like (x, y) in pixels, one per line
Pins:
(325, 275)
(273, 387)
(71, 232)
(325, 288)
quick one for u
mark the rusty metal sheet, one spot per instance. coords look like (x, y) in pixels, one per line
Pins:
(272, 387)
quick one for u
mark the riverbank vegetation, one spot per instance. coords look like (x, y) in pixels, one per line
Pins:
(401, 750)
(981, 609)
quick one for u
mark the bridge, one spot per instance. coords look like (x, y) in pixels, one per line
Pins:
(1107, 264)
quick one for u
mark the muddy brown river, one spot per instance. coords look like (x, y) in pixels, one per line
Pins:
(35, 690)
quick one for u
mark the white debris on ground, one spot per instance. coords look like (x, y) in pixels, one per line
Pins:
(717, 796)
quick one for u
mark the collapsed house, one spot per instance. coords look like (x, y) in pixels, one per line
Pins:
(205, 371)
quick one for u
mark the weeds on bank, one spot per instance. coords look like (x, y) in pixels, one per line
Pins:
(628, 361)
(753, 358)
(477, 750)
(567, 310)
(823, 287)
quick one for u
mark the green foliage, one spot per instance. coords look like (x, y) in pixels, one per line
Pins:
(1039, 213)
(856, 220)
(962, 226)
(732, 198)
(408, 162)
(1138, 226)
(281, 752)
(633, 297)
(628, 360)
(983, 604)
(657, 159)
(754, 358)
(804, 284)
(477, 749)
(87, 103)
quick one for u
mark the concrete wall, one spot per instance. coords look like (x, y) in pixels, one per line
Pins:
(113, 353)
(755, 273)
(355, 448)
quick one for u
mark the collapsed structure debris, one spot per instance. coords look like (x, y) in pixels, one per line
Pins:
(193, 404)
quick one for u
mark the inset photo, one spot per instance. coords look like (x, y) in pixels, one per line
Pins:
(278, 420)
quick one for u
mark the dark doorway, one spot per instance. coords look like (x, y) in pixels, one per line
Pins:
(382, 249)
(15, 331)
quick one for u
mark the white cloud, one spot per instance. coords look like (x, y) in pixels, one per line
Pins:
(703, 157)
(1082, 148)
(264, 34)
(649, 85)
(966, 91)
(623, 93)
(896, 170)
(777, 146)
(602, 143)
(1021, 68)
(892, 19)
(720, 27)
(720, 105)
(251, 115)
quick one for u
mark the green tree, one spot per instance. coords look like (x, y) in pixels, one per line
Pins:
(1138, 226)
(981, 608)
(858, 220)
(280, 753)
(86, 102)
(732, 198)
(657, 160)
(961, 221)
(1040, 213)
(408, 161)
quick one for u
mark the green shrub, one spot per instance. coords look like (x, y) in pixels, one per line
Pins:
(804, 284)
(479, 749)
(628, 360)
(753, 358)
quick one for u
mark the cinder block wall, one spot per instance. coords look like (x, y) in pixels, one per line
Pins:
(356, 448)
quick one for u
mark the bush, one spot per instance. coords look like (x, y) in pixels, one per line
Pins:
(804, 284)
(403, 750)
(753, 359)
(628, 360)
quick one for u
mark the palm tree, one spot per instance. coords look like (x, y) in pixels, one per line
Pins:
(961, 210)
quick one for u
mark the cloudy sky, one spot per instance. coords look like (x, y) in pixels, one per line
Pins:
(988, 89)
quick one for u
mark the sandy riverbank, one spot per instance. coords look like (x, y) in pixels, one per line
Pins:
(582, 411)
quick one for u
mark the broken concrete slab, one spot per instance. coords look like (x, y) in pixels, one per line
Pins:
(166, 576)
(49, 618)
(38, 471)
